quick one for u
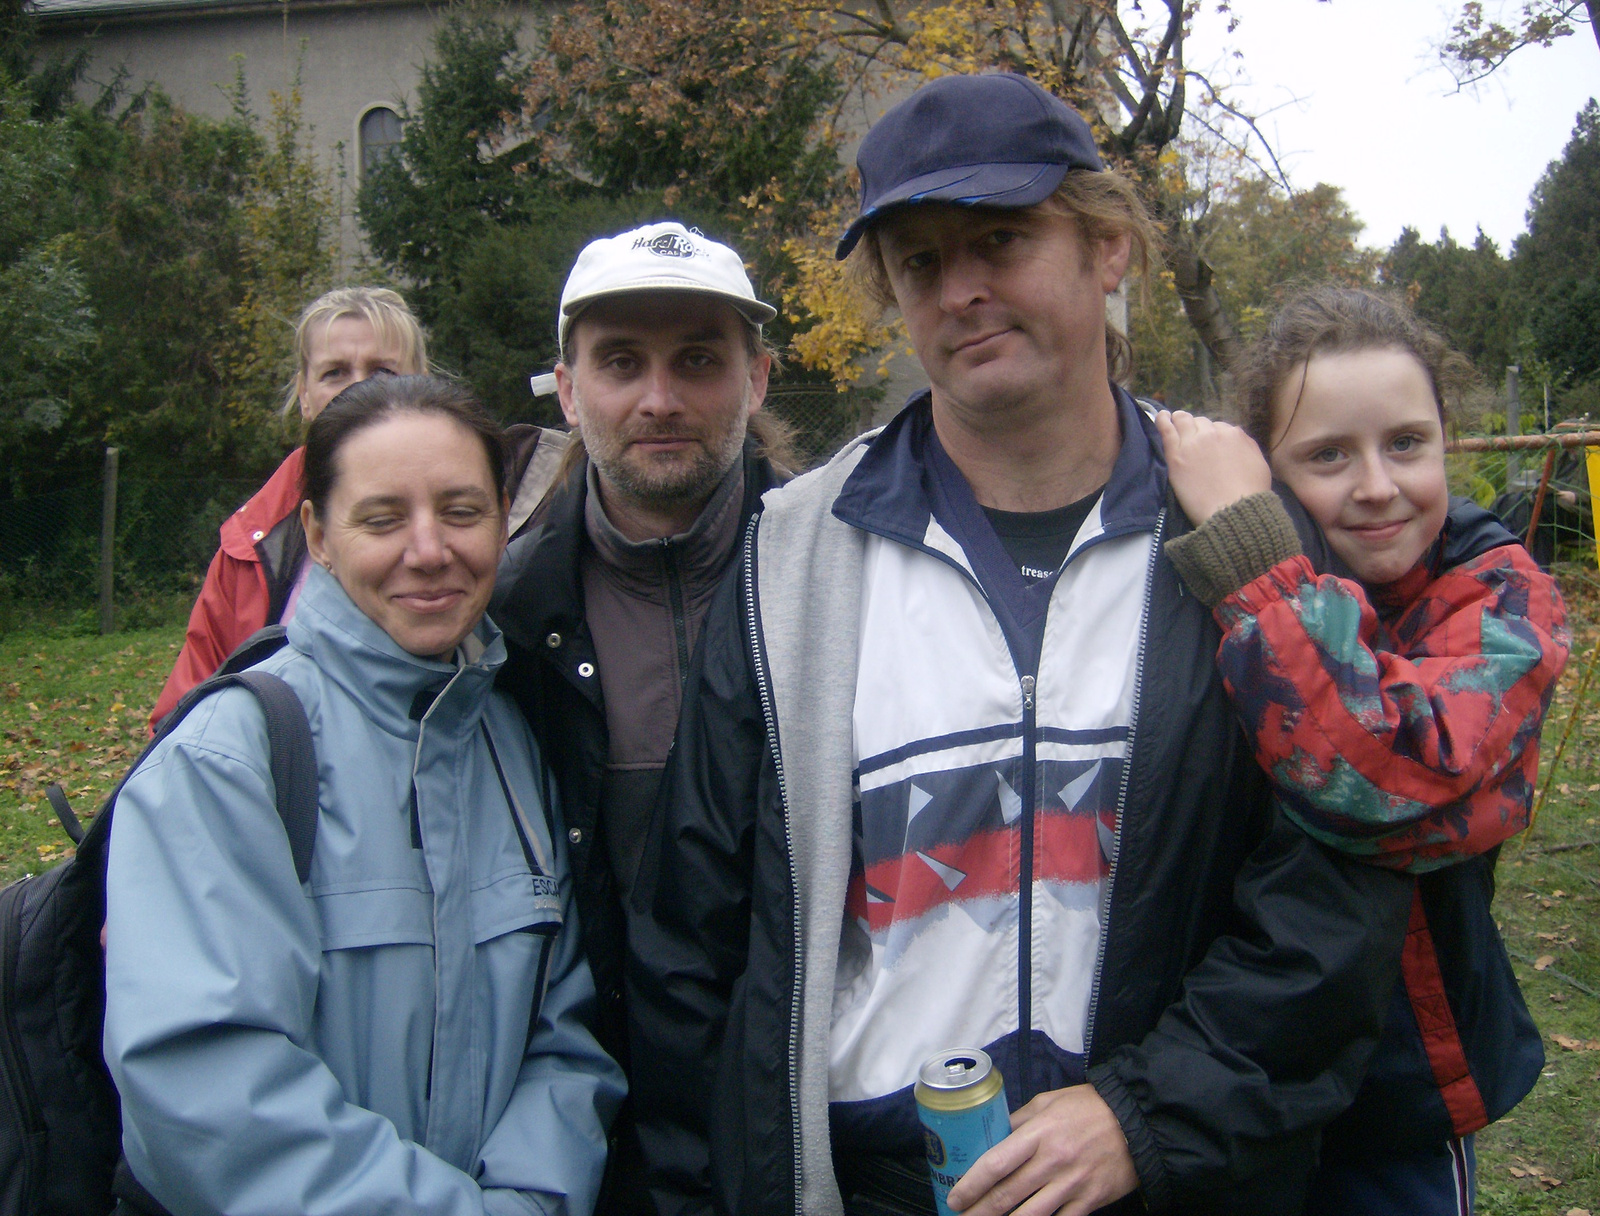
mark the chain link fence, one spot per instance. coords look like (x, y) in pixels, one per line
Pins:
(1538, 484)
(822, 419)
(166, 529)
(165, 534)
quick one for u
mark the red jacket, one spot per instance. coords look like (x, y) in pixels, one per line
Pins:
(247, 583)
(1400, 725)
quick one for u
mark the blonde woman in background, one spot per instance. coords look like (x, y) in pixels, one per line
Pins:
(343, 337)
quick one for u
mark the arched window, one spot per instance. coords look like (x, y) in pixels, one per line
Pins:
(380, 137)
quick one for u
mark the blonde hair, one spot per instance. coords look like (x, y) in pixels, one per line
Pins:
(1102, 203)
(384, 310)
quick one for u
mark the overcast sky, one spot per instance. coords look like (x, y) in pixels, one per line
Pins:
(1357, 98)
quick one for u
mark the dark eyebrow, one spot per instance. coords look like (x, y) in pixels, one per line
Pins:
(710, 334)
(397, 501)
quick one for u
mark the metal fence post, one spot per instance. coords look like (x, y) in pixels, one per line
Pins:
(108, 536)
(1513, 424)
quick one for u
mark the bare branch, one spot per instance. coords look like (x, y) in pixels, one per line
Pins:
(1215, 99)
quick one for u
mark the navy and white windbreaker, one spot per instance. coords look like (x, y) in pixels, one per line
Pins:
(917, 803)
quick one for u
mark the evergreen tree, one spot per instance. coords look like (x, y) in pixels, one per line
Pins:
(1465, 290)
(1556, 265)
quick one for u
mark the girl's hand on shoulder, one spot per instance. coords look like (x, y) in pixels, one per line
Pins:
(1212, 464)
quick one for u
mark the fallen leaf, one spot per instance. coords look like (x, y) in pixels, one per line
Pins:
(1577, 1212)
(1543, 961)
(1557, 894)
(1518, 1173)
(1548, 937)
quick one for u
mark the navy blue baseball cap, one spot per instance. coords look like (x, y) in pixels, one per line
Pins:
(996, 140)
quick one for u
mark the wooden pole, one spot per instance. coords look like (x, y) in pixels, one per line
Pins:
(108, 536)
(1523, 443)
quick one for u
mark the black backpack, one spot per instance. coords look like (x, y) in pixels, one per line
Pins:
(60, 1121)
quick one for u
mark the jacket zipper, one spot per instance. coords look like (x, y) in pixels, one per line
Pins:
(1025, 890)
(1122, 790)
(680, 618)
(763, 689)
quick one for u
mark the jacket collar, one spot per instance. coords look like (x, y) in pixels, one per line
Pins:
(268, 507)
(394, 687)
(700, 553)
(539, 590)
(891, 490)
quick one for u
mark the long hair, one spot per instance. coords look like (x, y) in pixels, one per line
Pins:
(1103, 204)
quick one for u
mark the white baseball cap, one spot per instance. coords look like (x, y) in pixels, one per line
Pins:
(658, 257)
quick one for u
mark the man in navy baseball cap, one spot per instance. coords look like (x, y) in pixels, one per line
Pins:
(996, 140)
(957, 776)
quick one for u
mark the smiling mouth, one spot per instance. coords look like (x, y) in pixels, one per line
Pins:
(1377, 531)
(429, 602)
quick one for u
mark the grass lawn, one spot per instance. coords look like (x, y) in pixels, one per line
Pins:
(73, 710)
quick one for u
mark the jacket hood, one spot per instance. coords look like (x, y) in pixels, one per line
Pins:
(890, 491)
(373, 669)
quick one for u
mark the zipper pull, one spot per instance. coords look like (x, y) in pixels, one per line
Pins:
(1027, 692)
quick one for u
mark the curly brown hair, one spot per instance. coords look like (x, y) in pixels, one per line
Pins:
(1334, 319)
(1103, 204)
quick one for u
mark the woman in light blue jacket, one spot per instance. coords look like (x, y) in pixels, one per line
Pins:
(404, 1033)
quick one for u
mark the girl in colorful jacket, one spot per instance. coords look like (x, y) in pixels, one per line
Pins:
(1396, 703)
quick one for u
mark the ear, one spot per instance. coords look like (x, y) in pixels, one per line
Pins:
(300, 395)
(564, 391)
(316, 539)
(760, 373)
(1115, 254)
(505, 520)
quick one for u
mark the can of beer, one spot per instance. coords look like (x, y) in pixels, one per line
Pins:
(962, 1102)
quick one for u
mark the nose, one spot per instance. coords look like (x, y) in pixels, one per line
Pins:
(658, 398)
(427, 549)
(1375, 485)
(961, 281)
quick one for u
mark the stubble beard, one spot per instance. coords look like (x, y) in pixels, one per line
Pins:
(667, 483)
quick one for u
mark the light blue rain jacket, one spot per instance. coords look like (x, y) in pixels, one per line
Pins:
(361, 1044)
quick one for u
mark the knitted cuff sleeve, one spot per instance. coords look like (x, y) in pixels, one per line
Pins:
(1239, 543)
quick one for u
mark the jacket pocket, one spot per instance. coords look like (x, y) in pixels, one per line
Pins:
(374, 916)
(515, 901)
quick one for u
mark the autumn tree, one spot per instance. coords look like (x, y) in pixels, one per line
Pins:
(1264, 241)
(1477, 44)
(728, 113)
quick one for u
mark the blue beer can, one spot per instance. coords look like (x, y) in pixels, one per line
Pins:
(962, 1102)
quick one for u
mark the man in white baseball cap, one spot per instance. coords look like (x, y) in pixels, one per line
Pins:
(663, 369)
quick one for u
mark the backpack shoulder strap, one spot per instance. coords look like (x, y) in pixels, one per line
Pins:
(293, 758)
(293, 753)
